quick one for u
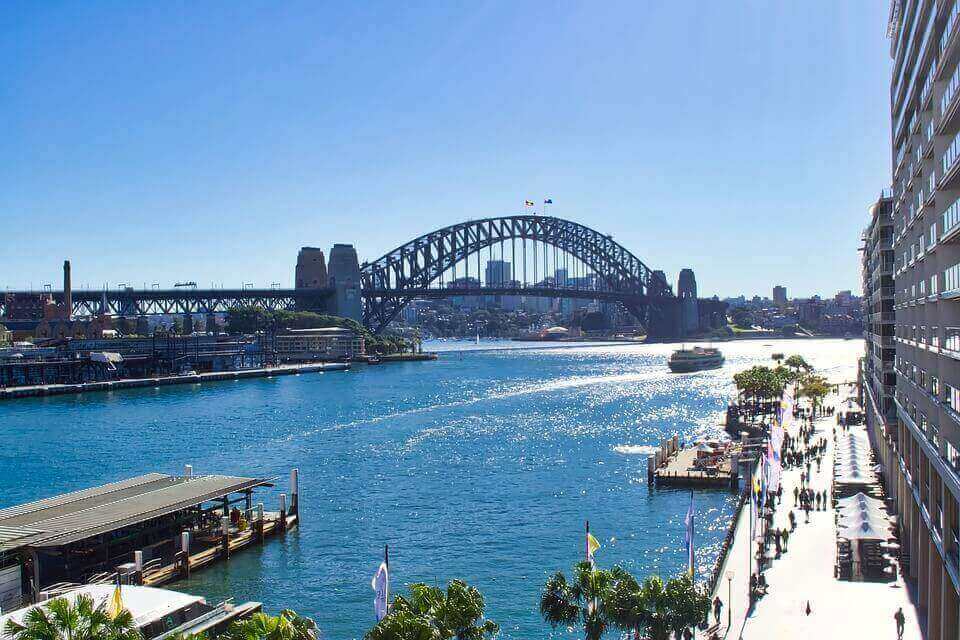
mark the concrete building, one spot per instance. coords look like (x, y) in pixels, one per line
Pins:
(780, 296)
(923, 447)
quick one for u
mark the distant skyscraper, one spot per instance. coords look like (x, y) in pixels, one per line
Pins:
(497, 273)
(779, 295)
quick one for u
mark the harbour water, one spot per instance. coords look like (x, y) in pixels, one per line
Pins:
(481, 465)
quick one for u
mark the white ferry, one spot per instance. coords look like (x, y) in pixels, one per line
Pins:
(696, 359)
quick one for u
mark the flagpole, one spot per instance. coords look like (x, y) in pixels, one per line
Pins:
(586, 541)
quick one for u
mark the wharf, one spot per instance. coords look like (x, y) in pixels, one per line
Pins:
(675, 466)
(151, 529)
(35, 391)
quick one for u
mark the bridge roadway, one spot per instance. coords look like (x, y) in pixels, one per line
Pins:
(135, 302)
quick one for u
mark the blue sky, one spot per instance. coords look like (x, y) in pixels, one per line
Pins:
(159, 142)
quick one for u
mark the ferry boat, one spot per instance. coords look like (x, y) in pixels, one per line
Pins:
(696, 359)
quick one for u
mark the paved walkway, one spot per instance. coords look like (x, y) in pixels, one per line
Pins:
(839, 609)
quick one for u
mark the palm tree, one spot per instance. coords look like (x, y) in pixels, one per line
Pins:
(689, 606)
(60, 619)
(432, 614)
(816, 389)
(286, 626)
(584, 601)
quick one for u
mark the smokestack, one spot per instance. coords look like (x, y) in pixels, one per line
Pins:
(67, 290)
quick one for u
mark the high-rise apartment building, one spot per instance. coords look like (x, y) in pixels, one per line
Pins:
(923, 447)
(878, 379)
(779, 295)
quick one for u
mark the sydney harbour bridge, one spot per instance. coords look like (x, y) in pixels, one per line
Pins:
(520, 255)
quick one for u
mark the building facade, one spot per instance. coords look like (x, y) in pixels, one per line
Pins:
(923, 446)
(780, 295)
(877, 376)
(328, 343)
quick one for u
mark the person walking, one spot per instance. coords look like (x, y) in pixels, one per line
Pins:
(899, 619)
(717, 608)
(796, 495)
(786, 536)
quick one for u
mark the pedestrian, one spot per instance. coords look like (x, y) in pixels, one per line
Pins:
(796, 495)
(899, 619)
(779, 493)
(808, 608)
(818, 501)
(786, 537)
(717, 608)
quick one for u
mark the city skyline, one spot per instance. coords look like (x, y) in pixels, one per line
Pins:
(227, 141)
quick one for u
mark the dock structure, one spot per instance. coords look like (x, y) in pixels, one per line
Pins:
(673, 465)
(151, 529)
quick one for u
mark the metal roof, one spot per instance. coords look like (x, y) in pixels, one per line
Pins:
(83, 514)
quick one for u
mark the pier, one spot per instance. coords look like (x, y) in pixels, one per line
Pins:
(700, 465)
(36, 391)
(150, 530)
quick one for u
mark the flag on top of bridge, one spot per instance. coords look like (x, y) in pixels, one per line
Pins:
(528, 203)
(548, 201)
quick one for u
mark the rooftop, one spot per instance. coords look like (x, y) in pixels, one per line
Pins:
(71, 517)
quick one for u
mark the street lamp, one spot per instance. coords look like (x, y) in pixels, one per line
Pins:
(729, 602)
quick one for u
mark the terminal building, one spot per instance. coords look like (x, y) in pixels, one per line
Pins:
(920, 451)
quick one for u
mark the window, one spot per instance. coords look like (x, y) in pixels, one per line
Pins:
(953, 397)
(952, 456)
(951, 278)
(933, 285)
(935, 386)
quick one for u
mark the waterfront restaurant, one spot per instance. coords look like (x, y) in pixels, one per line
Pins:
(72, 537)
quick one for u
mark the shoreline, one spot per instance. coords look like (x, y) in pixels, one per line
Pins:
(40, 391)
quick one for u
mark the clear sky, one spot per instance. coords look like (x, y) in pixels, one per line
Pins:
(208, 141)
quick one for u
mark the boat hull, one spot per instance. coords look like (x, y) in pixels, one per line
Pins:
(688, 366)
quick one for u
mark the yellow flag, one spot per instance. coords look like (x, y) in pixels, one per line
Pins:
(592, 544)
(115, 606)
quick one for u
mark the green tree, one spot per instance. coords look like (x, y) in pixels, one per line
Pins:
(582, 602)
(815, 388)
(798, 363)
(741, 317)
(430, 613)
(260, 626)
(61, 619)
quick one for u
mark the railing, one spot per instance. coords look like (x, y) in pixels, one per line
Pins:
(728, 541)
(948, 26)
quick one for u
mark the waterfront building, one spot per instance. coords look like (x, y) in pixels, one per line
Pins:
(925, 157)
(328, 343)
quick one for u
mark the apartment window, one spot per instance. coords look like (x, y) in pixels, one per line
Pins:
(933, 285)
(922, 422)
(953, 397)
(923, 286)
(951, 217)
(934, 336)
(950, 155)
(933, 229)
(922, 378)
(935, 386)
(951, 278)
(952, 456)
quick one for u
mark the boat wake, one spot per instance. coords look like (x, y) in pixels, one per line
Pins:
(635, 449)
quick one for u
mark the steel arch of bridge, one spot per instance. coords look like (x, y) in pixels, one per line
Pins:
(393, 280)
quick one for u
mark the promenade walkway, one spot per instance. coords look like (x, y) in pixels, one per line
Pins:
(839, 609)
